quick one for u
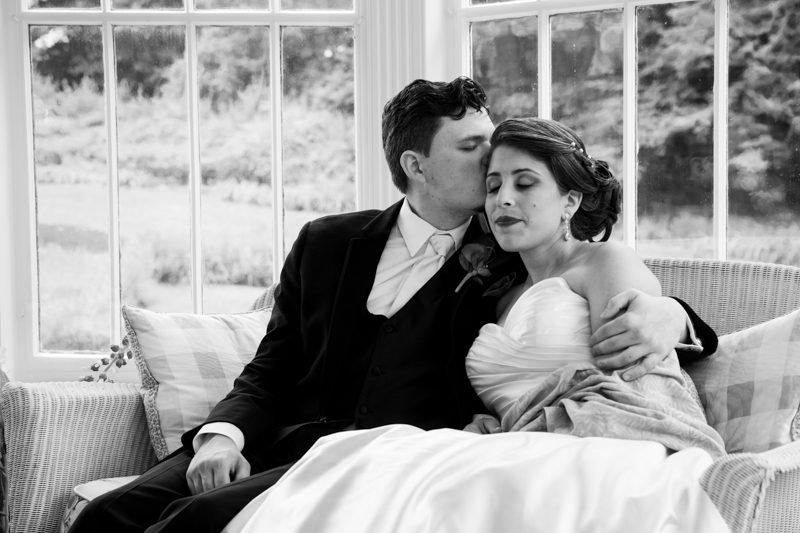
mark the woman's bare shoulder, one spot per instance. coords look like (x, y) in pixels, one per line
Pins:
(613, 262)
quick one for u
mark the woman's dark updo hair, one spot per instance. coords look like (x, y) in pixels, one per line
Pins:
(566, 157)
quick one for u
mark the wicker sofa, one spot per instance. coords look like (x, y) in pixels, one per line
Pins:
(58, 435)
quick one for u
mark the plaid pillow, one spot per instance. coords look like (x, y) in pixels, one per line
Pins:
(751, 386)
(187, 363)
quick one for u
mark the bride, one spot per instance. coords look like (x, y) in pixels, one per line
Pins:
(568, 447)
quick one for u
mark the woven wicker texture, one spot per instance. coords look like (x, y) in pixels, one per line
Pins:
(757, 492)
(59, 435)
(266, 300)
(730, 295)
(780, 510)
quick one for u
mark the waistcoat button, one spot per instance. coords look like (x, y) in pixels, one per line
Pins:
(388, 328)
(363, 409)
(376, 371)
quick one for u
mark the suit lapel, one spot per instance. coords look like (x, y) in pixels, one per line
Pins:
(355, 283)
(358, 270)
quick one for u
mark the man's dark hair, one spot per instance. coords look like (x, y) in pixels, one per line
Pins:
(413, 116)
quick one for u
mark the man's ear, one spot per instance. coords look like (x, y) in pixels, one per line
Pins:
(573, 201)
(411, 162)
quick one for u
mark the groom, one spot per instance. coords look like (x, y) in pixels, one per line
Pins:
(368, 328)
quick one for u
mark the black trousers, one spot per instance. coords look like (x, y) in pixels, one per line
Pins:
(159, 501)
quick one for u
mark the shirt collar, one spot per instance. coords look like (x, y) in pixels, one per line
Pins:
(415, 231)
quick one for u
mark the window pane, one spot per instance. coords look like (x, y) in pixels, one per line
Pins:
(153, 167)
(504, 63)
(316, 4)
(587, 82)
(228, 4)
(675, 45)
(764, 132)
(236, 165)
(147, 4)
(318, 125)
(69, 134)
(64, 3)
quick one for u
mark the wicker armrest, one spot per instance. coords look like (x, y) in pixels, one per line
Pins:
(59, 435)
(757, 492)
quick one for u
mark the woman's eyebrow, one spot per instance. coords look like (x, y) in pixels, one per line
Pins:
(515, 171)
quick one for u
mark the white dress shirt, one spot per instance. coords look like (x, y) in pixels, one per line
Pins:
(406, 247)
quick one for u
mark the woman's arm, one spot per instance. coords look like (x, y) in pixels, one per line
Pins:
(634, 328)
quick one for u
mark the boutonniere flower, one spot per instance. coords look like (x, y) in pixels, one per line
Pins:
(476, 256)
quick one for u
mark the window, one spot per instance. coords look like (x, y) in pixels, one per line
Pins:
(179, 180)
(706, 173)
(165, 154)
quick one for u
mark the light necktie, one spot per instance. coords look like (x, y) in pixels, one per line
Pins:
(441, 243)
(438, 247)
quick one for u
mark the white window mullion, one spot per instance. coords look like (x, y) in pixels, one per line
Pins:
(545, 70)
(144, 17)
(110, 84)
(19, 309)
(721, 129)
(29, 213)
(465, 41)
(629, 144)
(383, 65)
(195, 175)
(276, 97)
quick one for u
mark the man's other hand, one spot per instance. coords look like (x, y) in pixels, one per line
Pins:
(217, 462)
(483, 424)
(643, 330)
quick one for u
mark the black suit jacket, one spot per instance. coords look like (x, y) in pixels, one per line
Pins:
(306, 379)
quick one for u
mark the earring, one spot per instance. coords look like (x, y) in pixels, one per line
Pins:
(567, 230)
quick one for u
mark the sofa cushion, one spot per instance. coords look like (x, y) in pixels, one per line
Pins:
(187, 363)
(751, 386)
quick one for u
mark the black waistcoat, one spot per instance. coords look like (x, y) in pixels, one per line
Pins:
(409, 368)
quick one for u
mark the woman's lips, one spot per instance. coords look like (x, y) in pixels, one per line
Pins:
(506, 221)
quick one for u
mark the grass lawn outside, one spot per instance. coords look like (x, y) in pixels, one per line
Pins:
(74, 264)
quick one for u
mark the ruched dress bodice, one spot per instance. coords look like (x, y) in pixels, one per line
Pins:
(547, 327)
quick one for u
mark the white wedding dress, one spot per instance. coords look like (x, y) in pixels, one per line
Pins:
(399, 478)
(547, 328)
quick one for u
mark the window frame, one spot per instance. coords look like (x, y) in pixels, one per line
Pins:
(543, 9)
(388, 53)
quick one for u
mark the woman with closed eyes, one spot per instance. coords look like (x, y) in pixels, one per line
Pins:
(555, 205)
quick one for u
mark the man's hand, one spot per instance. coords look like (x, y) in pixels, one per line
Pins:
(217, 462)
(483, 424)
(639, 338)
